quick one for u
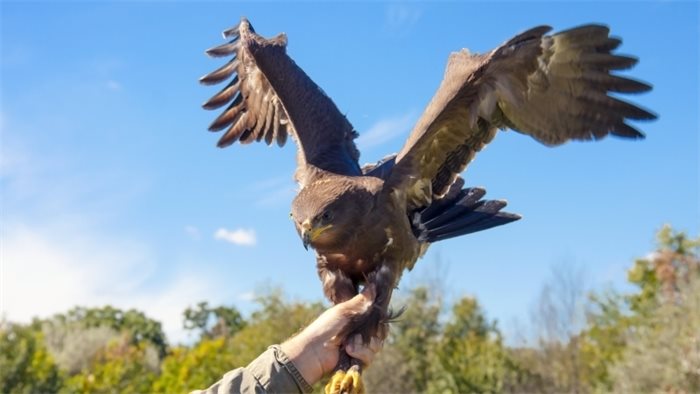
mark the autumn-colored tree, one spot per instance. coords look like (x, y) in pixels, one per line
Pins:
(619, 324)
(663, 353)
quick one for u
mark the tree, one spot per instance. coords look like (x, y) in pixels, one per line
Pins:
(410, 350)
(187, 369)
(663, 354)
(554, 362)
(121, 367)
(74, 347)
(628, 331)
(140, 328)
(25, 365)
(216, 322)
(471, 351)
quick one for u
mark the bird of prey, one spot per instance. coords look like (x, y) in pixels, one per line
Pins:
(369, 223)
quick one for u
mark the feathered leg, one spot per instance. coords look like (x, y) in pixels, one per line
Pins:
(347, 378)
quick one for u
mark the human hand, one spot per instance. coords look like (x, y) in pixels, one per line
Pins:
(315, 350)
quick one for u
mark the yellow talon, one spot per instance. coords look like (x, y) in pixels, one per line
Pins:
(343, 382)
(352, 383)
(333, 387)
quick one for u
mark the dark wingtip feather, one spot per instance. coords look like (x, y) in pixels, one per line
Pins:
(233, 134)
(223, 97)
(626, 84)
(229, 115)
(626, 131)
(235, 30)
(534, 33)
(622, 62)
(224, 49)
(220, 74)
(586, 31)
(243, 26)
(492, 206)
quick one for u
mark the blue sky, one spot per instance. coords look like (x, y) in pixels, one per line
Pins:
(114, 192)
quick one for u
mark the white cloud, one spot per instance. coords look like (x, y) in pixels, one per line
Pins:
(60, 249)
(47, 271)
(386, 129)
(245, 237)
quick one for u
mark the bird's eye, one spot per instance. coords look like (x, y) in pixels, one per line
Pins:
(291, 215)
(326, 216)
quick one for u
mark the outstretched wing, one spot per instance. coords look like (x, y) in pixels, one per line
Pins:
(553, 88)
(269, 97)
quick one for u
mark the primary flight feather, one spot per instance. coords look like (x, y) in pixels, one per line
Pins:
(368, 224)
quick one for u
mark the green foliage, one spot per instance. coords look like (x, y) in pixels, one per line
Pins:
(226, 320)
(186, 369)
(663, 354)
(471, 350)
(140, 328)
(25, 364)
(464, 354)
(119, 368)
(410, 351)
(648, 327)
(74, 347)
(275, 321)
(645, 341)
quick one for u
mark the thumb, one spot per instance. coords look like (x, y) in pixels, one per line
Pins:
(341, 314)
(359, 303)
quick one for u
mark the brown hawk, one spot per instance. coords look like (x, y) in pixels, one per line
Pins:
(368, 224)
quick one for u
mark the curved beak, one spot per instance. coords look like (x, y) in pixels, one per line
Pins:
(309, 233)
(306, 234)
(306, 238)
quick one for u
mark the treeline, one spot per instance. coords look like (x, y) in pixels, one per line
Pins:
(646, 340)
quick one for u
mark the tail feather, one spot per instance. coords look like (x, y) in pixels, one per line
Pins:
(460, 212)
(455, 192)
(468, 202)
(498, 219)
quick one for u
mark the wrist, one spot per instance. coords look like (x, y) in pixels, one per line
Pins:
(304, 355)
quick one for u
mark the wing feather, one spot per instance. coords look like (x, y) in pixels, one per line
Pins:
(269, 97)
(554, 88)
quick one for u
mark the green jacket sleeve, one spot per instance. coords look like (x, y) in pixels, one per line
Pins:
(271, 372)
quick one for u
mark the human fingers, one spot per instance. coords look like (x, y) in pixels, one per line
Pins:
(356, 348)
(359, 303)
(338, 316)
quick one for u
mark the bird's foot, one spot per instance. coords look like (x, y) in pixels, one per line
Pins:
(346, 382)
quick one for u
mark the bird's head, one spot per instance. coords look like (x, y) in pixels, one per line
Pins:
(327, 214)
